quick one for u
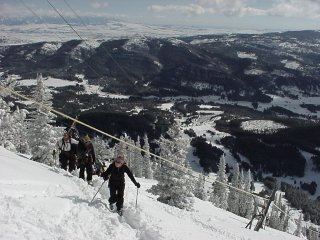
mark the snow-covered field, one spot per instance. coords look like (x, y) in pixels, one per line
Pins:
(29, 33)
(280, 101)
(55, 82)
(266, 126)
(49, 82)
(42, 202)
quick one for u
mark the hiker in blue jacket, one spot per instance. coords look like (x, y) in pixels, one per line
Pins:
(115, 174)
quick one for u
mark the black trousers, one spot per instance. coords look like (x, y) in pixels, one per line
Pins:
(88, 168)
(67, 159)
(116, 194)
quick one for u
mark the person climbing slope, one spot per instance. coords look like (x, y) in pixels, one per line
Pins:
(115, 174)
(67, 155)
(86, 157)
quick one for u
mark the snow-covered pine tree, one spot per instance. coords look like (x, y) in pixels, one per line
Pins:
(126, 149)
(298, 231)
(12, 124)
(6, 126)
(40, 133)
(138, 170)
(219, 196)
(199, 190)
(19, 131)
(131, 154)
(148, 172)
(283, 214)
(285, 219)
(274, 220)
(120, 148)
(173, 186)
(6, 136)
(245, 199)
(242, 196)
(313, 233)
(233, 198)
(248, 198)
(101, 149)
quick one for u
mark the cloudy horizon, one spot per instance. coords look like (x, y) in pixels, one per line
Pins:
(236, 14)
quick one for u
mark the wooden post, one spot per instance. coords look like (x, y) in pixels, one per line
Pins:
(264, 214)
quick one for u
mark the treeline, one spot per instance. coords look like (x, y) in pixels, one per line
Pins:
(300, 200)
(279, 159)
(279, 152)
(209, 155)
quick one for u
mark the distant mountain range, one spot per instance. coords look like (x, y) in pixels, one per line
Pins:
(235, 66)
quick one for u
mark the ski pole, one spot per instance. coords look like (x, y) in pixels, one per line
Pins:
(137, 197)
(97, 191)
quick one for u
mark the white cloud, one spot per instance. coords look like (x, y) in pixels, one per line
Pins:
(296, 8)
(97, 5)
(283, 8)
(7, 10)
(229, 8)
(191, 9)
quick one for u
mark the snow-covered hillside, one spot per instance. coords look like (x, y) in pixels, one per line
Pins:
(41, 202)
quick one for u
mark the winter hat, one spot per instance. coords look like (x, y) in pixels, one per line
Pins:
(86, 138)
(119, 159)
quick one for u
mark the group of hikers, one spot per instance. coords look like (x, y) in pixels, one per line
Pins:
(78, 152)
(75, 153)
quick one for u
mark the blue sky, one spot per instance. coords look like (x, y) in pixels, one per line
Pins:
(229, 14)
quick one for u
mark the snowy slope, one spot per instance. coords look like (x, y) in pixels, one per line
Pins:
(41, 202)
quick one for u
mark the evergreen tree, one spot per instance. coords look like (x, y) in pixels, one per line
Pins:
(102, 150)
(298, 231)
(173, 186)
(12, 124)
(242, 195)
(219, 195)
(138, 171)
(245, 198)
(248, 198)
(41, 133)
(199, 190)
(282, 213)
(286, 218)
(6, 134)
(233, 198)
(148, 172)
(6, 117)
(19, 131)
(274, 220)
(120, 148)
(131, 155)
(313, 233)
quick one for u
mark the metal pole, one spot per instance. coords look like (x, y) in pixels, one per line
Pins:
(137, 197)
(97, 192)
(265, 211)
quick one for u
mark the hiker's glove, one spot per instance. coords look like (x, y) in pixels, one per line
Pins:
(138, 185)
(105, 177)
